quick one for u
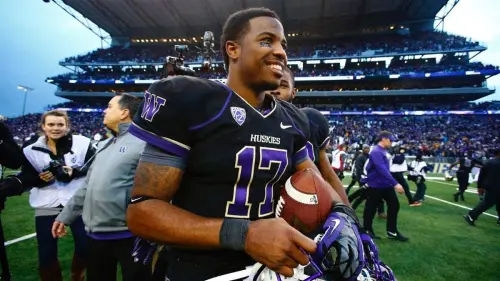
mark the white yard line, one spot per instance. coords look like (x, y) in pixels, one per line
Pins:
(22, 238)
(450, 203)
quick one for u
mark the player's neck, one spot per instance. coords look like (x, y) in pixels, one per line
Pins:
(249, 95)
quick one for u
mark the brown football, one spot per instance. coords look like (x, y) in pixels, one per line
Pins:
(305, 201)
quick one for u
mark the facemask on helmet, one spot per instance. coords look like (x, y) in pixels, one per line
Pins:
(377, 269)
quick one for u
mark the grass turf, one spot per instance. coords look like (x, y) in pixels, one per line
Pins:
(442, 245)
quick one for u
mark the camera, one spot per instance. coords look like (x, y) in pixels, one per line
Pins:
(56, 168)
(175, 65)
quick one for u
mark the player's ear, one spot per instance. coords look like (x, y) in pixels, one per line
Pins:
(294, 93)
(233, 49)
(125, 114)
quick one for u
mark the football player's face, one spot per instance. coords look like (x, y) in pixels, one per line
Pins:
(263, 55)
(55, 127)
(285, 91)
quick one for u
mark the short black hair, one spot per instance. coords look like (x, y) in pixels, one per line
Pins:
(237, 26)
(384, 135)
(130, 102)
(289, 70)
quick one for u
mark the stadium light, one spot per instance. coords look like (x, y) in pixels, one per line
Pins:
(25, 89)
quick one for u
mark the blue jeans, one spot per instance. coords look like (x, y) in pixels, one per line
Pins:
(47, 244)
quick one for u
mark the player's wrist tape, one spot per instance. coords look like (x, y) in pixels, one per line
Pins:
(233, 234)
(137, 199)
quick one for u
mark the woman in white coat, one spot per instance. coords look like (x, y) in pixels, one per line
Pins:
(56, 167)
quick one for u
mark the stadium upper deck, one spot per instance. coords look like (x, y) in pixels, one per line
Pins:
(366, 50)
(125, 20)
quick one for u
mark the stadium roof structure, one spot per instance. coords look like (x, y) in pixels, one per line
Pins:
(189, 18)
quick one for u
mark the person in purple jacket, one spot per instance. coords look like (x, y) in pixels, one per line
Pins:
(382, 186)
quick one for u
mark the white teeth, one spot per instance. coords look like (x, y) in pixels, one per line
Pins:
(276, 66)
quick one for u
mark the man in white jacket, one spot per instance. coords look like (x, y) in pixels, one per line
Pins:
(103, 199)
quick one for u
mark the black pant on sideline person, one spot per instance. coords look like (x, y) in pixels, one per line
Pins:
(400, 178)
(375, 197)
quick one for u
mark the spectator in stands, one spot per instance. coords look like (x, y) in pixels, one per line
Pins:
(441, 136)
(55, 170)
(377, 44)
(104, 197)
(382, 186)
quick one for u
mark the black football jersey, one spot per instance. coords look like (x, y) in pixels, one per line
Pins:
(466, 164)
(236, 157)
(319, 133)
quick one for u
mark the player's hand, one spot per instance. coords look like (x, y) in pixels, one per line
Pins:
(46, 176)
(399, 189)
(68, 170)
(58, 229)
(274, 243)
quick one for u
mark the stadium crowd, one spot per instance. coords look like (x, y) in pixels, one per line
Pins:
(377, 71)
(441, 136)
(438, 136)
(377, 45)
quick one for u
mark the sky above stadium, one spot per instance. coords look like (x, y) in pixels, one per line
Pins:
(35, 36)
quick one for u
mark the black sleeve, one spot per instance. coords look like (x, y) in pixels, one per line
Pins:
(29, 177)
(11, 155)
(321, 123)
(89, 158)
(300, 123)
(360, 161)
(482, 175)
(170, 108)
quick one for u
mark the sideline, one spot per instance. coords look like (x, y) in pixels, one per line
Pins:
(29, 236)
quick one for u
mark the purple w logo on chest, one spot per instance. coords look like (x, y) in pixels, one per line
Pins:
(152, 104)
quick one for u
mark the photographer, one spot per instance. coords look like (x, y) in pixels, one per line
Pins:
(55, 167)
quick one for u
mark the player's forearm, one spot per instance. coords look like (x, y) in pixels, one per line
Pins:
(155, 219)
(161, 222)
(337, 185)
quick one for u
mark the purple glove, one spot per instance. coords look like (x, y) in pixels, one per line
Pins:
(339, 253)
(143, 250)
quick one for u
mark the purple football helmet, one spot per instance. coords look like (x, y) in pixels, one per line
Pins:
(378, 270)
(339, 254)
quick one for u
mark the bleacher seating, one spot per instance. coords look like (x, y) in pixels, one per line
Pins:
(385, 44)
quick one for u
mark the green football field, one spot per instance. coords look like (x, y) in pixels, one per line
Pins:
(442, 245)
